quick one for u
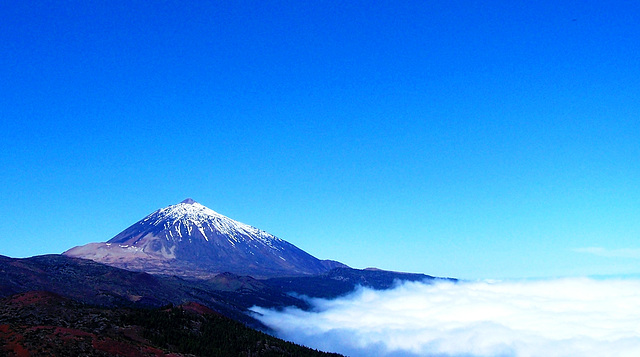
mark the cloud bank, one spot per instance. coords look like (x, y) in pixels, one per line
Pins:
(562, 317)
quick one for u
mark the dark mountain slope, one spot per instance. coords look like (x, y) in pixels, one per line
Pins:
(46, 324)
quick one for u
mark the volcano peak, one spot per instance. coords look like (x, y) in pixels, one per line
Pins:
(189, 239)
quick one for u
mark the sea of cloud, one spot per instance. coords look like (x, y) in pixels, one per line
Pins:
(560, 317)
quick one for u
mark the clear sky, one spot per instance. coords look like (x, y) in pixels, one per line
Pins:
(489, 139)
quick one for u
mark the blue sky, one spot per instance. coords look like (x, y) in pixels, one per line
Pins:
(453, 138)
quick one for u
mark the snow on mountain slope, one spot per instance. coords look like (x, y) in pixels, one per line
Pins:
(189, 239)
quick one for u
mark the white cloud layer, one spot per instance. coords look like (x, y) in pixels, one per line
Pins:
(562, 317)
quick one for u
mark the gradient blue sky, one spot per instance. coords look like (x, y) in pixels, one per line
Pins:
(455, 138)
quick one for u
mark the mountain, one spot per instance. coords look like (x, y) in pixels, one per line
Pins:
(111, 298)
(191, 240)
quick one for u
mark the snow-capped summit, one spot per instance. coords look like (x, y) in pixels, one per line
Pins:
(191, 221)
(190, 239)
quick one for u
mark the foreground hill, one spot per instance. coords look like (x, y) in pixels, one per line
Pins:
(41, 323)
(188, 239)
